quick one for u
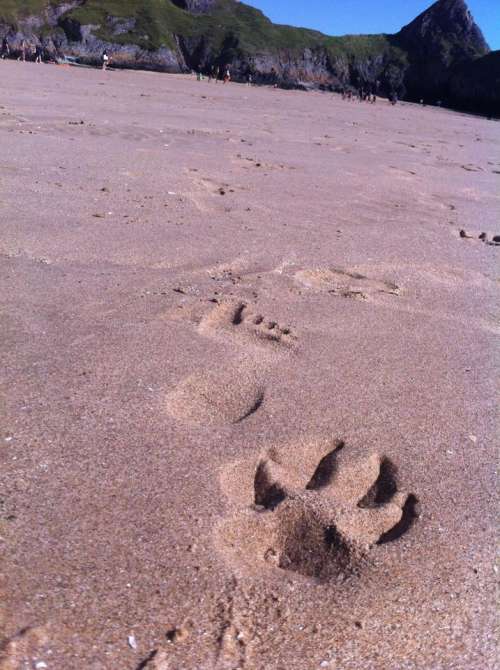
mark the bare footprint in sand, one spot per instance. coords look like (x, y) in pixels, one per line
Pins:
(217, 397)
(319, 522)
(343, 283)
(26, 649)
(240, 321)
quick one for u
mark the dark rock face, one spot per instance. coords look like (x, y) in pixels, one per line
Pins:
(195, 6)
(447, 28)
(475, 85)
(435, 41)
(441, 55)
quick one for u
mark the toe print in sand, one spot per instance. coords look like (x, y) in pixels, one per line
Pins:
(238, 320)
(319, 521)
(234, 393)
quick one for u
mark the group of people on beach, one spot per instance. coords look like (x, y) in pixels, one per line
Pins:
(27, 51)
(366, 96)
(215, 75)
(361, 96)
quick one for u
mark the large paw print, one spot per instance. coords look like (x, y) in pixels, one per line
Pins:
(323, 522)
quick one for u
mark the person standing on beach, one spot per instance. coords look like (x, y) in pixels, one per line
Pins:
(38, 53)
(5, 51)
(105, 60)
(227, 75)
(22, 55)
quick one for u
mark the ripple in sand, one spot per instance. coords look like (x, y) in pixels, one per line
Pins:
(343, 283)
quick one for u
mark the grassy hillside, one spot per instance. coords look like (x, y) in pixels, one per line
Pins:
(232, 27)
(157, 21)
(13, 10)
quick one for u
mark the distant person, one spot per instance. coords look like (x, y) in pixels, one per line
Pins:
(38, 53)
(5, 50)
(105, 60)
(373, 99)
(227, 76)
(217, 74)
(22, 55)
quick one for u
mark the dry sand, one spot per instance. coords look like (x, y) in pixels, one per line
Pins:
(248, 377)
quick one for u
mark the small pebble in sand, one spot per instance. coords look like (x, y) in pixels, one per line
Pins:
(177, 635)
(132, 643)
(473, 438)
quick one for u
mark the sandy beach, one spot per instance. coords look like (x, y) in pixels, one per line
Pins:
(248, 412)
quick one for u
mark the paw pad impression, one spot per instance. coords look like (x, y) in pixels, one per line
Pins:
(324, 522)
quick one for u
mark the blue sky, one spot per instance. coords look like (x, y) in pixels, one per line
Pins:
(339, 17)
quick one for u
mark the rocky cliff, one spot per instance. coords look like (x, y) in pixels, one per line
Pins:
(434, 57)
(436, 41)
(474, 85)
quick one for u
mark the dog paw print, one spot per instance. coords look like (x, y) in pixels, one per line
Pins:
(324, 522)
(239, 320)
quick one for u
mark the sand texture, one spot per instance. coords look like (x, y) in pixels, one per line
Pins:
(248, 358)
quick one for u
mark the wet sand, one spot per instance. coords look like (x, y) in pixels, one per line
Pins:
(248, 414)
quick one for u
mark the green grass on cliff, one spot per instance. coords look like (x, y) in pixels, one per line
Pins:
(12, 10)
(157, 21)
(230, 24)
(361, 46)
